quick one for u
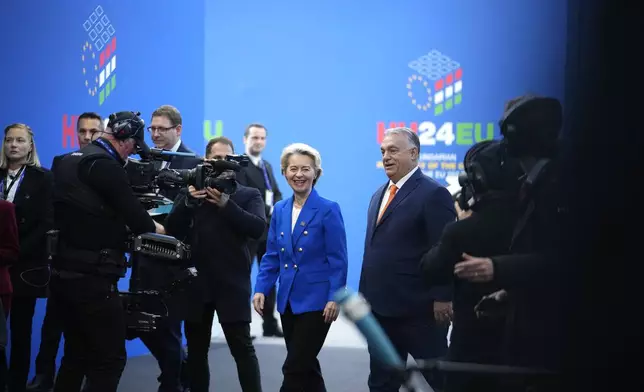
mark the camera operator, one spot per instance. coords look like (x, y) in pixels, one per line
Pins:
(93, 204)
(218, 226)
(530, 274)
(490, 188)
(88, 127)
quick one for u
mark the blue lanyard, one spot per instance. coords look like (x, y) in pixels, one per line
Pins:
(107, 147)
(267, 181)
(16, 180)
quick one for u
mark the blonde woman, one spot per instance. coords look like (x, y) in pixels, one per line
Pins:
(29, 187)
(307, 253)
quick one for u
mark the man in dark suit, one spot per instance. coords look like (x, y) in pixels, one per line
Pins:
(166, 343)
(165, 129)
(405, 219)
(259, 175)
(88, 126)
(218, 227)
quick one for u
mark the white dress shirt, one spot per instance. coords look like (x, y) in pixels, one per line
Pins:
(295, 214)
(399, 185)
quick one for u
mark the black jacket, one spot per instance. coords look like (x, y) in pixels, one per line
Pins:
(253, 176)
(487, 232)
(34, 215)
(102, 174)
(219, 237)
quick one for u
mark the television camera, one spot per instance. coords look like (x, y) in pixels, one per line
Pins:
(164, 259)
(147, 178)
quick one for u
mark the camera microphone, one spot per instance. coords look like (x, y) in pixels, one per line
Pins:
(357, 309)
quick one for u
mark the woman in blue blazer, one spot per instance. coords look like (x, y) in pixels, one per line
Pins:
(306, 253)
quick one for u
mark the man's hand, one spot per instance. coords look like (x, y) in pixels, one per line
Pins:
(194, 193)
(331, 312)
(475, 269)
(215, 197)
(443, 312)
(460, 213)
(258, 303)
(159, 228)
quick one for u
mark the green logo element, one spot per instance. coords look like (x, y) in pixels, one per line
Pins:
(207, 129)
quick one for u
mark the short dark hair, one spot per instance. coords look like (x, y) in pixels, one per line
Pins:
(254, 125)
(169, 112)
(219, 139)
(90, 116)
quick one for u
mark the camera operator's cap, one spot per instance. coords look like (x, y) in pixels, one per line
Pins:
(129, 125)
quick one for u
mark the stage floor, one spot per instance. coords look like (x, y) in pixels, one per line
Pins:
(344, 361)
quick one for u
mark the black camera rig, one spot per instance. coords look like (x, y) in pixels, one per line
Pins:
(161, 250)
(147, 178)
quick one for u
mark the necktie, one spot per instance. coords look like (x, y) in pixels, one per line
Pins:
(392, 193)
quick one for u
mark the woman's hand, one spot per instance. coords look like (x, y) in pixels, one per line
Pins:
(331, 312)
(258, 303)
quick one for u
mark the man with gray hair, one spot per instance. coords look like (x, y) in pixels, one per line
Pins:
(405, 219)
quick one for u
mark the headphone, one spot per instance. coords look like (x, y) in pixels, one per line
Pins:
(126, 125)
(474, 178)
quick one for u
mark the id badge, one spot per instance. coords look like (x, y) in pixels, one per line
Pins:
(269, 198)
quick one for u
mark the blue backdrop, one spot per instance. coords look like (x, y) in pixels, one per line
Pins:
(330, 73)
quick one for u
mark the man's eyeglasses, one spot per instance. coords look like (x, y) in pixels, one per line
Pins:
(160, 129)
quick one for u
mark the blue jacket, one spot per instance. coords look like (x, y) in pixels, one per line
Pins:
(311, 262)
(410, 226)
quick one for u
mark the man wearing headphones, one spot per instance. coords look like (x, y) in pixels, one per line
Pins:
(531, 272)
(94, 207)
(490, 187)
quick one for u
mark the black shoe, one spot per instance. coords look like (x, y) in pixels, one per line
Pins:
(41, 383)
(273, 332)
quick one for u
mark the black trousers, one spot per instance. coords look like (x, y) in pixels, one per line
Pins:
(20, 324)
(94, 328)
(166, 346)
(420, 337)
(199, 334)
(304, 335)
(50, 334)
(258, 249)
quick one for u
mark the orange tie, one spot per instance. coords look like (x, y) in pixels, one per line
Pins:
(392, 193)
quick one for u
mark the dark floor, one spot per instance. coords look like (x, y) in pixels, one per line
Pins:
(345, 370)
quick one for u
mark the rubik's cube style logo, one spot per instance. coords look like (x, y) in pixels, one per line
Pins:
(437, 83)
(99, 55)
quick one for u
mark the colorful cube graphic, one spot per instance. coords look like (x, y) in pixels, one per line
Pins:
(101, 33)
(444, 75)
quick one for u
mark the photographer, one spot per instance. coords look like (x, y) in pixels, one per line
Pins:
(218, 226)
(490, 188)
(530, 273)
(93, 205)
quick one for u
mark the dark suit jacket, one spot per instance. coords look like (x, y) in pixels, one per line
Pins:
(35, 217)
(218, 237)
(9, 245)
(253, 177)
(486, 233)
(411, 225)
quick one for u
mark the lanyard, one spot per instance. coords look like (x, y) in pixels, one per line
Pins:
(267, 181)
(107, 147)
(6, 188)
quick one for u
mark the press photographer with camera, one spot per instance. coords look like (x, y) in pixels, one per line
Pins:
(490, 189)
(531, 272)
(217, 217)
(94, 207)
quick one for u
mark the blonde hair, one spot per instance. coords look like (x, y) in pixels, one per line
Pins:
(302, 149)
(32, 156)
